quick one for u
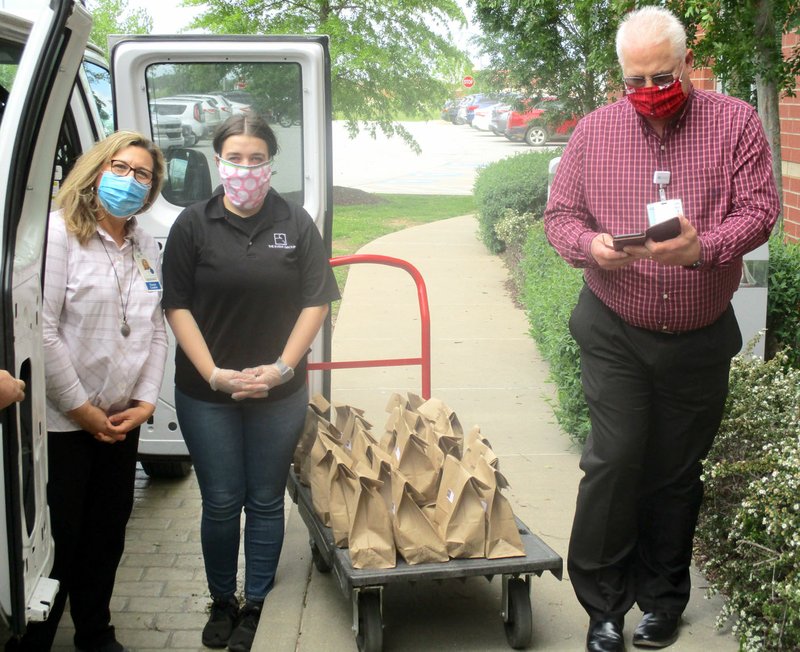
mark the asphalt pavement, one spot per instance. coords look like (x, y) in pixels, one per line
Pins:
(485, 367)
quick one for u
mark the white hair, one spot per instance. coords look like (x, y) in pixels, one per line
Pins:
(653, 24)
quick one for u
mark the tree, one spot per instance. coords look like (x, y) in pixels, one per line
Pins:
(388, 59)
(564, 48)
(740, 40)
(113, 17)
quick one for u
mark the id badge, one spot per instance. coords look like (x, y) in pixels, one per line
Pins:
(661, 211)
(147, 272)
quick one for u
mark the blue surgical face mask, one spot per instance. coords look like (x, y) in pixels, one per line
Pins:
(121, 196)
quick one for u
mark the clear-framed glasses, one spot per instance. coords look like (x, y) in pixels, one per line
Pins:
(661, 80)
(122, 169)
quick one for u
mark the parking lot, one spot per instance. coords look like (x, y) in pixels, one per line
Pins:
(448, 164)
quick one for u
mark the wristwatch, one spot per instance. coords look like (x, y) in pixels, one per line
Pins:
(287, 373)
(695, 264)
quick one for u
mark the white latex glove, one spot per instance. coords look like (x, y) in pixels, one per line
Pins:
(267, 374)
(257, 381)
(227, 380)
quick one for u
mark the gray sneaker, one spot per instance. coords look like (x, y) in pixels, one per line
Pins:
(242, 638)
(218, 629)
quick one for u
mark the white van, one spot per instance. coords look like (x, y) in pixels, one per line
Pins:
(57, 97)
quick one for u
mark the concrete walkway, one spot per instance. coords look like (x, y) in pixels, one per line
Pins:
(488, 370)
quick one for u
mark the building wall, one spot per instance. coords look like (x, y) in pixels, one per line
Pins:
(790, 150)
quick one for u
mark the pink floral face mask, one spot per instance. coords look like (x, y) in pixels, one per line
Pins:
(245, 185)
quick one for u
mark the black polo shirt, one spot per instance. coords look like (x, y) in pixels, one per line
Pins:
(245, 281)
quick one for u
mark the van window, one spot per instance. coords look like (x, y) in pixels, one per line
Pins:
(203, 95)
(100, 82)
(10, 54)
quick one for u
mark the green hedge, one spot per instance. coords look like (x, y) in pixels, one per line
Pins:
(748, 535)
(550, 290)
(518, 183)
(783, 306)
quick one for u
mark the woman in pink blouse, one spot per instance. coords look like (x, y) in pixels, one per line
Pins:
(105, 347)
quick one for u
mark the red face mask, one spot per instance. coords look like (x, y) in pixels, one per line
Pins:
(659, 102)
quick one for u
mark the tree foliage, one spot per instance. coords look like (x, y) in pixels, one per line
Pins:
(565, 48)
(114, 17)
(741, 41)
(388, 59)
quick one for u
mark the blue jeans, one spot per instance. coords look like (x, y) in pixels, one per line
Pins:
(241, 454)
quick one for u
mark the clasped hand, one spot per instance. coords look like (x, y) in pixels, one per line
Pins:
(110, 429)
(253, 382)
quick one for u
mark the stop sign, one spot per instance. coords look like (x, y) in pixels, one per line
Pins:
(468, 81)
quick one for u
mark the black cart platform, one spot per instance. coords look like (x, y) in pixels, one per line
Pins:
(365, 586)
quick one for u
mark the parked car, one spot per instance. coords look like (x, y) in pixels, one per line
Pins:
(542, 124)
(450, 110)
(190, 113)
(244, 101)
(222, 103)
(499, 119)
(466, 110)
(482, 116)
(213, 116)
(168, 131)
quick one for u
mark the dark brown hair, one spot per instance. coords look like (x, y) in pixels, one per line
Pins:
(242, 125)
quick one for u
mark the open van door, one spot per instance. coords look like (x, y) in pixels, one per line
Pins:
(39, 61)
(287, 81)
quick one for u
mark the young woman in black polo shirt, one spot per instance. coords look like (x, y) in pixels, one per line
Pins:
(247, 285)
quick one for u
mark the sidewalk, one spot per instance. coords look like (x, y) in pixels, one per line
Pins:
(487, 369)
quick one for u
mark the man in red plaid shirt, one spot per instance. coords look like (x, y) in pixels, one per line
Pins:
(654, 322)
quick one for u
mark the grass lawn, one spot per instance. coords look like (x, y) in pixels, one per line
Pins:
(359, 218)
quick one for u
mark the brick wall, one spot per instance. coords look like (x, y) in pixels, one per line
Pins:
(790, 150)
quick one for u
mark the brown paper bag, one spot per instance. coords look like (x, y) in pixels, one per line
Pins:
(371, 539)
(416, 537)
(408, 402)
(461, 511)
(389, 438)
(417, 424)
(344, 485)
(381, 465)
(446, 426)
(317, 476)
(361, 440)
(476, 446)
(305, 444)
(502, 536)
(412, 459)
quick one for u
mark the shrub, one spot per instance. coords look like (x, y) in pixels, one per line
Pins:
(748, 534)
(512, 228)
(549, 293)
(518, 183)
(783, 306)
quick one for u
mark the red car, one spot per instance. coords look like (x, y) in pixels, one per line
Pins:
(542, 124)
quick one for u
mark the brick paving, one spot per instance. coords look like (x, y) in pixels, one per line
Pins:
(160, 597)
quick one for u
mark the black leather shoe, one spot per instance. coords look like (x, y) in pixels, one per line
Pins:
(656, 629)
(605, 636)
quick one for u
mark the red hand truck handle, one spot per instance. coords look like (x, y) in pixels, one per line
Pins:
(424, 360)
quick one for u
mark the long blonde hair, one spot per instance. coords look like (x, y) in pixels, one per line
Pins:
(77, 197)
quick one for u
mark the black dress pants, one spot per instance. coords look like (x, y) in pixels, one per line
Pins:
(655, 403)
(90, 496)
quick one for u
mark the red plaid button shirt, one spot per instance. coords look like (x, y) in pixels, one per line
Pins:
(721, 169)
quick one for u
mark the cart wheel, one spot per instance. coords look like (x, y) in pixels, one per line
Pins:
(369, 637)
(519, 622)
(319, 561)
